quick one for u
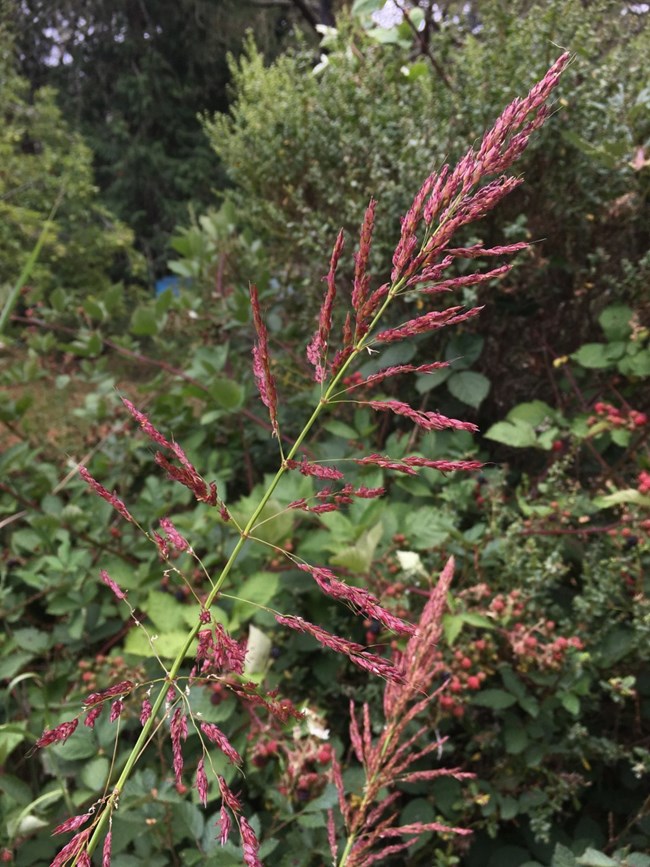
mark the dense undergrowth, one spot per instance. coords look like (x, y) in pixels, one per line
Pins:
(543, 685)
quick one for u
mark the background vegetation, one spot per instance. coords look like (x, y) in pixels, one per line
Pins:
(548, 694)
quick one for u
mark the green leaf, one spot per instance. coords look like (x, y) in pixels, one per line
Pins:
(187, 820)
(508, 807)
(636, 365)
(366, 7)
(358, 557)
(469, 387)
(417, 810)
(514, 735)
(428, 381)
(615, 321)
(167, 646)
(592, 858)
(260, 588)
(534, 412)
(517, 434)
(592, 356)
(32, 639)
(464, 349)
(11, 736)
(312, 820)
(452, 625)
(427, 527)
(619, 498)
(497, 699)
(95, 773)
(570, 703)
(144, 322)
(167, 613)
(563, 857)
(227, 393)
(340, 429)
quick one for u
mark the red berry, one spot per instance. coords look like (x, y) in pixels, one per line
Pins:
(324, 753)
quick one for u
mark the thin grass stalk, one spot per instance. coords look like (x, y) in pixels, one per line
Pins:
(29, 265)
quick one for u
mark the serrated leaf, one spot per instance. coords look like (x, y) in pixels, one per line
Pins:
(187, 819)
(427, 527)
(469, 387)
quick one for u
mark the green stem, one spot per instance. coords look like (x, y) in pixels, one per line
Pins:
(28, 267)
(147, 728)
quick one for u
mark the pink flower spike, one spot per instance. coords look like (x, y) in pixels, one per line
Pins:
(331, 835)
(116, 709)
(262, 363)
(214, 734)
(317, 349)
(117, 591)
(356, 653)
(358, 597)
(380, 376)
(229, 798)
(91, 716)
(178, 732)
(224, 823)
(410, 465)
(318, 471)
(431, 321)
(146, 425)
(84, 860)
(361, 278)
(189, 477)
(173, 535)
(478, 250)
(250, 844)
(458, 282)
(57, 735)
(72, 849)
(72, 824)
(425, 420)
(145, 711)
(122, 688)
(106, 851)
(202, 782)
(113, 499)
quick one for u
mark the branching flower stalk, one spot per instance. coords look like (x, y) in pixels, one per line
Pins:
(448, 200)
